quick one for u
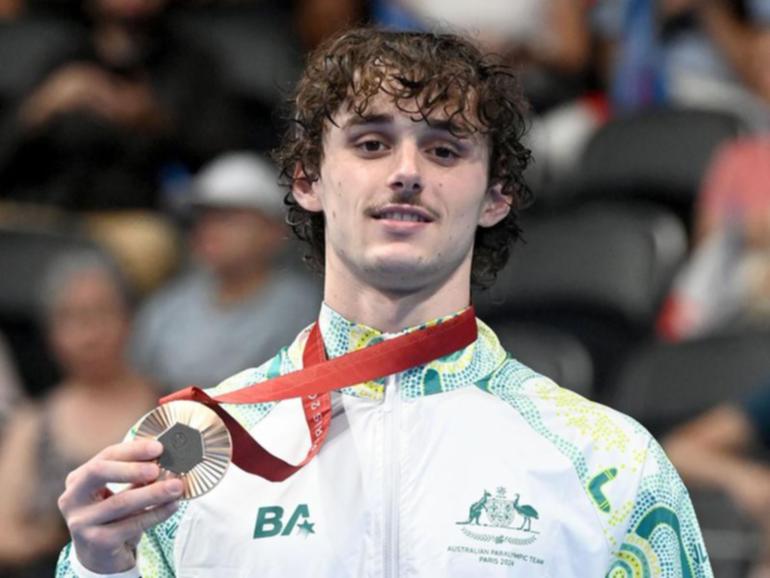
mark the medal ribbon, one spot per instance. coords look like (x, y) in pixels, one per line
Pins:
(319, 377)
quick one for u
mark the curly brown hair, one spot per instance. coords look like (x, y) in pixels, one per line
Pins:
(422, 73)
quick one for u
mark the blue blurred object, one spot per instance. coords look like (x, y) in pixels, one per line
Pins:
(638, 76)
(389, 14)
(759, 10)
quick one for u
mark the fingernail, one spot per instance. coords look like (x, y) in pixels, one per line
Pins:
(156, 447)
(175, 487)
(150, 471)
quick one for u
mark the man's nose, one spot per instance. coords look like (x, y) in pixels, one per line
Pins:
(406, 178)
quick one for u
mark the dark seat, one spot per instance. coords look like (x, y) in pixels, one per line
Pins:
(659, 155)
(254, 41)
(550, 352)
(22, 38)
(260, 54)
(598, 272)
(662, 384)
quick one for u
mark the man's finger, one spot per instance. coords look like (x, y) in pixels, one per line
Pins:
(105, 472)
(130, 502)
(83, 483)
(132, 451)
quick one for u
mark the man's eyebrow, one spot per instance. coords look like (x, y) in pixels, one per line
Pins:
(434, 124)
(446, 125)
(367, 119)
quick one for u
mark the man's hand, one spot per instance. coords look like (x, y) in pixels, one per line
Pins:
(106, 527)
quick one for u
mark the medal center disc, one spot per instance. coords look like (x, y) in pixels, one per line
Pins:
(182, 448)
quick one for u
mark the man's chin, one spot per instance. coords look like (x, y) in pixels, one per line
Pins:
(401, 275)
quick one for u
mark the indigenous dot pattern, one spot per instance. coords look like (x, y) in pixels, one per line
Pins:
(155, 552)
(507, 385)
(595, 438)
(447, 373)
(675, 538)
(63, 567)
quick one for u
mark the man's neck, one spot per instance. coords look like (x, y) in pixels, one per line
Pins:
(393, 311)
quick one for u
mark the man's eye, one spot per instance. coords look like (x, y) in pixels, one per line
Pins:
(371, 146)
(444, 153)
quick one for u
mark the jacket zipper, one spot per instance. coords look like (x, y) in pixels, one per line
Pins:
(391, 489)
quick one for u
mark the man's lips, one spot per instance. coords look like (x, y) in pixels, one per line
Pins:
(402, 213)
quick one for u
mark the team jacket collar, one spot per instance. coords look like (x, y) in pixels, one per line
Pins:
(466, 367)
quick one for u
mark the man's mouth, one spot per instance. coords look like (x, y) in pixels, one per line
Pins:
(405, 213)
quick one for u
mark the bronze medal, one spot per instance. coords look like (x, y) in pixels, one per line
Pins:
(197, 447)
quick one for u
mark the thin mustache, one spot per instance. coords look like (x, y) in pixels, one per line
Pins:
(403, 202)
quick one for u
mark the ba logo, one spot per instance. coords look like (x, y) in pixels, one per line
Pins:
(270, 522)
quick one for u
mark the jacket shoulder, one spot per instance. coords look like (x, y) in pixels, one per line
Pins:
(607, 450)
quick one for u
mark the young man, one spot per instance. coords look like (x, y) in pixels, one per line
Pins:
(406, 168)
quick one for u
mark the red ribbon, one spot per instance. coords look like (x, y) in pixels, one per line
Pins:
(319, 377)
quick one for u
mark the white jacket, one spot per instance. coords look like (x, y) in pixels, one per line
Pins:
(472, 465)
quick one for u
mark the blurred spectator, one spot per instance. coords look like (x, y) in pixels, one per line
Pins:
(87, 316)
(712, 53)
(236, 308)
(548, 39)
(719, 449)
(726, 281)
(135, 95)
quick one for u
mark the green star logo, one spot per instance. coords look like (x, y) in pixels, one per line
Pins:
(306, 528)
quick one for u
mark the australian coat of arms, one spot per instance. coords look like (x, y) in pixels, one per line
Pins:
(500, 512)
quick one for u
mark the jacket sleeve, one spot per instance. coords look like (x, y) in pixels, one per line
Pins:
(69, 566)
(662, 537)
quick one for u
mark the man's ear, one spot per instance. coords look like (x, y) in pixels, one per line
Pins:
(496, 206)
(305, 192)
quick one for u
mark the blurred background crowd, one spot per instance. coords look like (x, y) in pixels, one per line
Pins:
(143, 246)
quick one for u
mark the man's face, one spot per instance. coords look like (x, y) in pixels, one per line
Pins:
(401, 197)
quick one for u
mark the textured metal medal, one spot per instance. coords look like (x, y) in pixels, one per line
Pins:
(197, 447)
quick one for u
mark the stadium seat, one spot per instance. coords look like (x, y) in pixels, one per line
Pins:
(260, 54)
(659, 155)
(664, 384)
(598, 272)
(21, 38)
